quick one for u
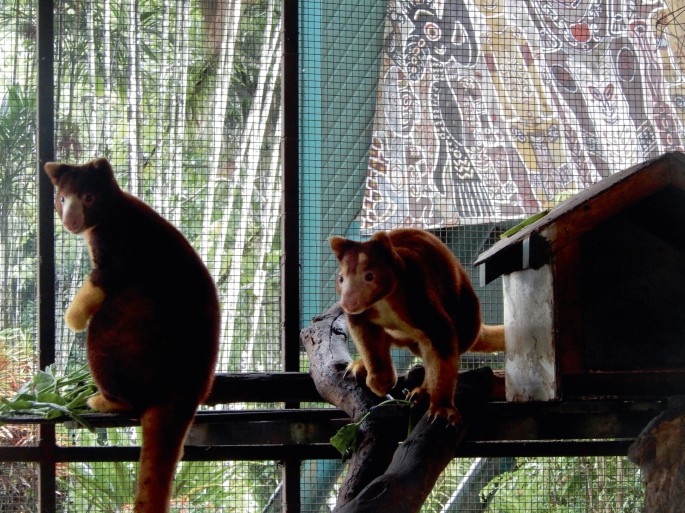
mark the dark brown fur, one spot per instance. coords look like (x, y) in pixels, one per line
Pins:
(406, 288)
(152, 314)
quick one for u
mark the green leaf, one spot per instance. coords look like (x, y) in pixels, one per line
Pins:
(50, 396)
(346, 439)
(515, 229)
(15, 405)
(81, 400)
(43, 382)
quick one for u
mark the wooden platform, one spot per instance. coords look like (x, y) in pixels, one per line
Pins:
(576, 427)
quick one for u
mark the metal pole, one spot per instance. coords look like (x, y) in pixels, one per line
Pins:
(46, 240)
(291, 229)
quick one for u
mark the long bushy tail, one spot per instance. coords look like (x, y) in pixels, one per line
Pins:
(164, 432)
(490, 339)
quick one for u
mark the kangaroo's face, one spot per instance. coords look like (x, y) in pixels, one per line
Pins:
(82, 193)
(365, 275)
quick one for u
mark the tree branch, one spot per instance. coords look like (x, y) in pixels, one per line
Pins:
(377, 480)
(658, 452)
(325, 341)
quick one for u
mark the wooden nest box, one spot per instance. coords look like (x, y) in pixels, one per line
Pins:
(594, 291)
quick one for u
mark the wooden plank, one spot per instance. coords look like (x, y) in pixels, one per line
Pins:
(256, 387)
(233, 434)
(652, 384)
(572, 420)
(494, 422)
(569, 327)
(586, 211)
(287, 431)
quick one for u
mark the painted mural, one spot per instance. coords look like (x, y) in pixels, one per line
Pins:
(492, 109)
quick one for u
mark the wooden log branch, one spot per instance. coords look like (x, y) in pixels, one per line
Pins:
(659, 453)
(421, 458)
(381, 476)
(413, 471)
(325, 341)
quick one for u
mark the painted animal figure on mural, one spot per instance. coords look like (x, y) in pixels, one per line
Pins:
(406, 288)
(152, 314)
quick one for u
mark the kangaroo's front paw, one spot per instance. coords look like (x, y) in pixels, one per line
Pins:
(381, 383)
(356, 370)
(85, 304)
(76, 318)
(418, 395)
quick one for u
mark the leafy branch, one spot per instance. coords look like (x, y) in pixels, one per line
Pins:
(49, 396)
(346, 440)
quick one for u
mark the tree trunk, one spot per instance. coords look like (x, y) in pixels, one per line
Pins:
(133, 99)
(6, 307)
(161, 201)
(381, 476)
(179, 98)
(91, 104)
(413, 471)
(247, 165)
(106, 104)
(659, 453)
(229, 22)
(269, 214)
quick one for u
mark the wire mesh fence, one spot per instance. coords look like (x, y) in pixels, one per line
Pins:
(458, 116)
(508, 485)
(207, 486)
(183, 98)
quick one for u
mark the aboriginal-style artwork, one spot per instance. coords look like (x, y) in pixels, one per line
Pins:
(490, 110)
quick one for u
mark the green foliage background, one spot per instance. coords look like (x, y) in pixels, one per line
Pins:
(195, 131)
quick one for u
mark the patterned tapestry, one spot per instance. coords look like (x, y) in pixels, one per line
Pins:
(491, 109)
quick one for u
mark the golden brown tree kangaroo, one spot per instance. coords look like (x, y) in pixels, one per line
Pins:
(406, 288)
(152, 315)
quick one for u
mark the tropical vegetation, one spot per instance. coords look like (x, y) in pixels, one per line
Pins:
(183, 97)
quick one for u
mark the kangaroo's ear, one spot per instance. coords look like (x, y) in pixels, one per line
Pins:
(383, 239)
(55, 171)
(384, 250)
(103, 167)
(340, 246)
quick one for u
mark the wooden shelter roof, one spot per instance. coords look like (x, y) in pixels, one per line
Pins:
(534, 244)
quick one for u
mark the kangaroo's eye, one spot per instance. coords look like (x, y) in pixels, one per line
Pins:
(88, 199)
(340, 278)
(369, 276)
(62, 199)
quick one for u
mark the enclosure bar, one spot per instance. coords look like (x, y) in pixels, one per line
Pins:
(290, 224)
(12, 453)
(201, 453)
(532, 449)
(46, 152)
(303, 452)
(292, 496)
(45, 123)
(256, 387)
(109, 420)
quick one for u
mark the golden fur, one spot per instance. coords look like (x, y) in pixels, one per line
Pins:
(405, 288)
(152, 315)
